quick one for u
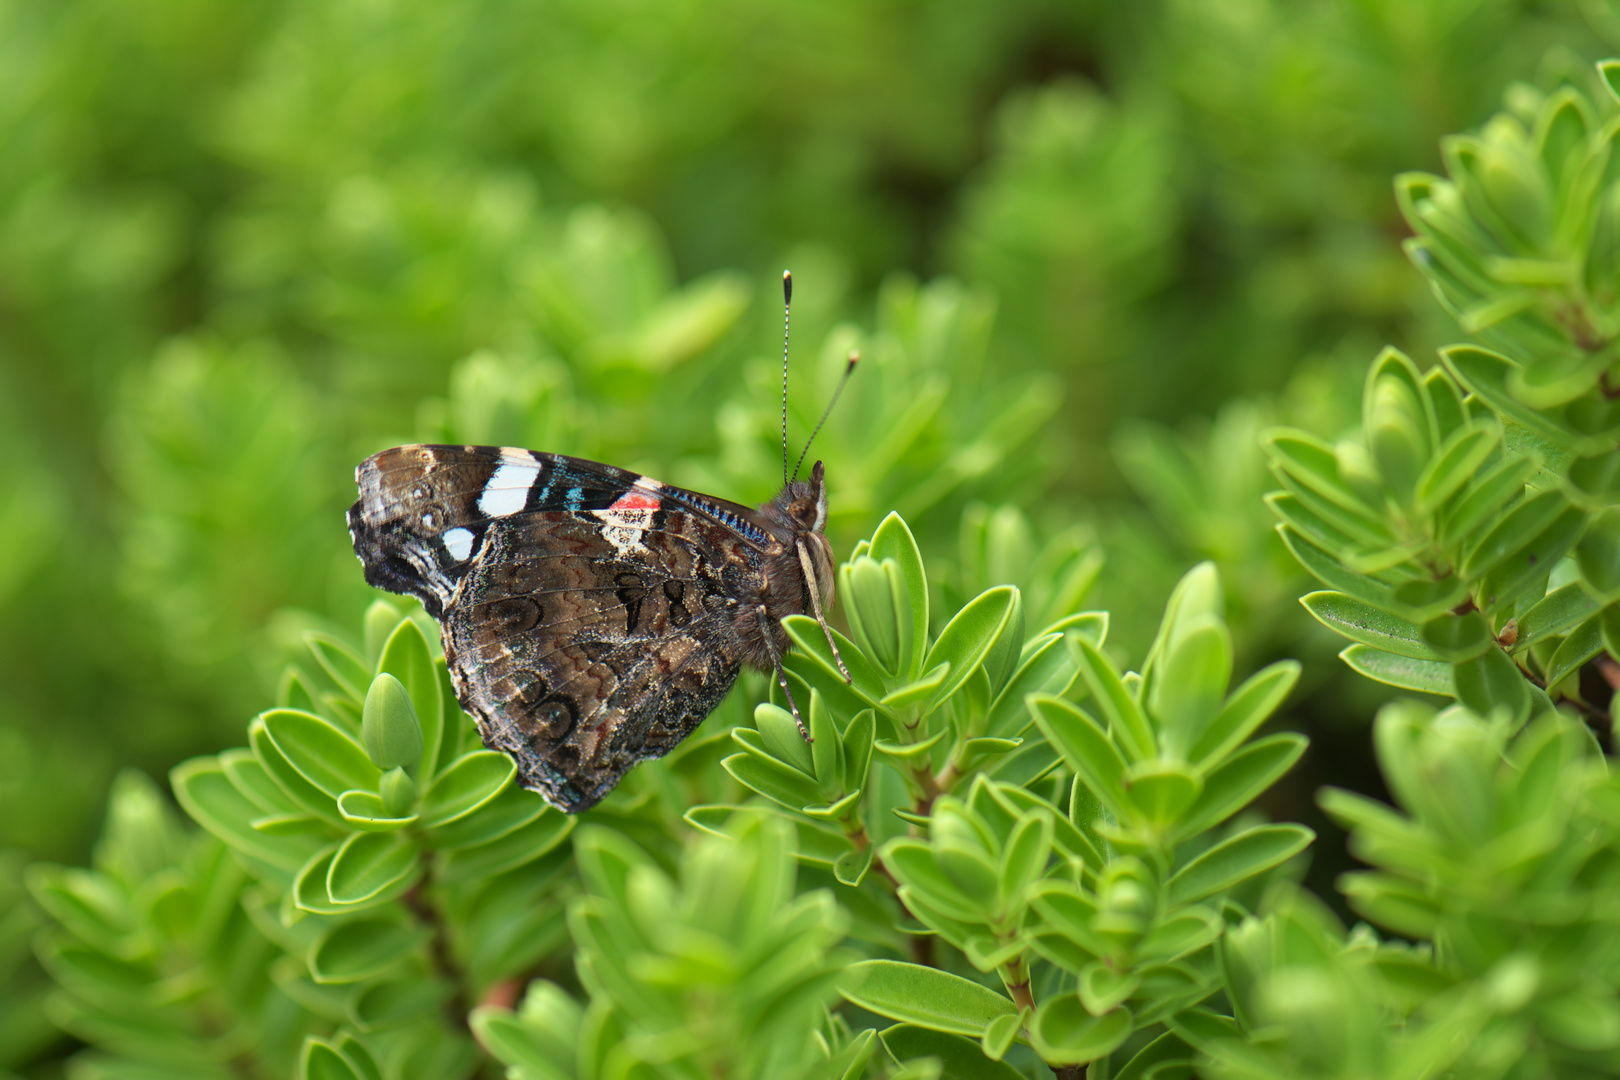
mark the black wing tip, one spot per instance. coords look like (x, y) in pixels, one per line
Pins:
(391, 573)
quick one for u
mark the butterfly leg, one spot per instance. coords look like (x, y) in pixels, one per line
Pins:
(815, 606)
(781, 675)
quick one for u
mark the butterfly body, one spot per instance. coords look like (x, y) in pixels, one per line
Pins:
(591, 617)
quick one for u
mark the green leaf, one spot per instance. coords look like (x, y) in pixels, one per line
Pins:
(365, 810)
(309, 887)
(541, 1040)
(824, 746)
(1528, 567)
(254, 781)
(288, 779)
(1168, 1050)
(1024, 857)
(872, 592)
(1396, 432)
(1427, 676)
(1069, 841)
(1129, 727)
(1103, 987)
(812, 642)
(1368, 533)
(1554, 614)
(1586, 1019)
(472, 781)
(1064, 1033)
(1236, 860)
(1423, 599)
(1609, 71)
(511, 809)
(1369, 626)
(1071, 912)
(1161, 790)
(1000, 1035)
(780, 737)
(1487, 373)
(909, 755)
(1609, 624)
(370, 866)
(1598, 556)
(510, 850)
(1295, 515)
(322, 1061)
(321, 753)
(1491, 679)
(1485, 499)
(1189, 929)
(208, 795)
(1456, 462)
(913, 862)
(967, 639)
(388, 1004)
(1313, 464)
(1047, 668)
(924, 996)
(347, 668)
(1085, 747)
(850, 868)
(1332, 573)
(1514, 532)
(1246, 708)
(917, 691)
(1583, 643)
(777, 782)
(354, 951)
(857, 744)
(960, 1059)
(893, 540)
(1458, 637)
(1188, 686)
(1400, 904)
(1239, 780)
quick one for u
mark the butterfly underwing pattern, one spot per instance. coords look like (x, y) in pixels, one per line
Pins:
(591, 617)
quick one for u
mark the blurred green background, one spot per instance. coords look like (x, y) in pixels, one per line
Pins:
(1088, 249)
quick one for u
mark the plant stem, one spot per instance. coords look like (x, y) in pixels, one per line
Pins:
(444, 962)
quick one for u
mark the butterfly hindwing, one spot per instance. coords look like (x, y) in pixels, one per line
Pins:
(580, 662)
(591, 616)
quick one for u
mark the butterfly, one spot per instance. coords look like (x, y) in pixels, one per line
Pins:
(592, 617)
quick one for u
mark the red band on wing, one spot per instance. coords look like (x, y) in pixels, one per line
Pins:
(635, 500)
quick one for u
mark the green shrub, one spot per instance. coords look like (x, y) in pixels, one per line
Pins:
(1045, 828)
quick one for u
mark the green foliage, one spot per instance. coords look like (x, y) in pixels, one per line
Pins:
(241, 247)
(719, 972)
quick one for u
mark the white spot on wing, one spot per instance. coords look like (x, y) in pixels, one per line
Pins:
(458, 542)
(626, 529)
(508, 489)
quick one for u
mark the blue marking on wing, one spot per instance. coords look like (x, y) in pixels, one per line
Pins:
(575, 499)
(543, 499)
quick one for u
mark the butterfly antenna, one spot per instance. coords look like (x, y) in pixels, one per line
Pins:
(854, 358)
(787, 313)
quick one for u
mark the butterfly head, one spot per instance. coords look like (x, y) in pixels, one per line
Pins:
(806, 501)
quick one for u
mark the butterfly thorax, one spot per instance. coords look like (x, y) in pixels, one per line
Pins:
(798, 560)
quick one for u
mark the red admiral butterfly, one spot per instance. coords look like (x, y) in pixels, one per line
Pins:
(592, 617)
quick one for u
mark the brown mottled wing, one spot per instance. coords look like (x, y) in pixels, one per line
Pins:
(589, 614)
(580, 658)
